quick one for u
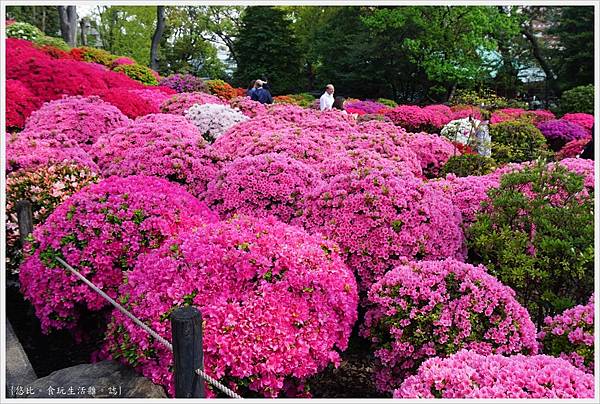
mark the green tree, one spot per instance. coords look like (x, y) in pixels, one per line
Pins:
(267, 47)
(43, 17)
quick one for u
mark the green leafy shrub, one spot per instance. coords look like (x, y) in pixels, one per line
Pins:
(53, 41)
(388, 102)
(536, 234)
(469, 164)
(485, 97)
(22, 30)
(517, 141)
(304, 100)
(140, 73)
(578, 99)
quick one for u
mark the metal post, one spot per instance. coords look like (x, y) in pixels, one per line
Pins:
(25, 219)
(186, 328)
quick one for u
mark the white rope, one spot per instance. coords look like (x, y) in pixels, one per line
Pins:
(149, 330)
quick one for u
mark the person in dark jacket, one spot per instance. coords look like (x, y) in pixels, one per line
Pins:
(261, 94)
(251, 88)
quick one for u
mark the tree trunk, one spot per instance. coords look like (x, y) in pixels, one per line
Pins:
(68, 24)
(537, 53)
(83, 27)
(452, 92)
(160, 29)
(44, 19)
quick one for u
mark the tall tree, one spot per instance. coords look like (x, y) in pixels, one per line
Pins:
(44, 17)
(160, 29)
(267, 48)
(68, 23)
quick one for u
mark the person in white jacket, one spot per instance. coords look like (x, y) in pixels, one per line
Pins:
(326, 100)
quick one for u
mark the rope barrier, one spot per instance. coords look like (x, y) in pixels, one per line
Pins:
(149, 330)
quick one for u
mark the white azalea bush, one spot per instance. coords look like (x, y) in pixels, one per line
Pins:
(470, 132)
(213, 120)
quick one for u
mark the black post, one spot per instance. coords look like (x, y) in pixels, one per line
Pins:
(25, 219)
(186, 329)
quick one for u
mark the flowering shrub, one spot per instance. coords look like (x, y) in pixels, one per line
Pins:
(417, 119)
(52, 42)
(377, 217)
(366, 107)
(465, 111)
(277, 305)
(470, 132)
(516, 141)
(435, 308)
(153, 96)
(160, 145)
(572, 149)
(131, 104)
(184, 83)
(267, 184)
(470, 375)
(82, 119)
(20, 103)
(469, 164)
(46, 188)
(586, 121)
(221, 89)
(55, 53)
(94, 55)
(248, 107)
(560, 132)
(32, 149)
(582, 167)
(212, 120)
(284, 99)
(506, 114)
(122, 60)
(180, 103)
(23, 30)
(536, 235)
(570, 336)
(433, 151)
(100, 231)
(139, 73)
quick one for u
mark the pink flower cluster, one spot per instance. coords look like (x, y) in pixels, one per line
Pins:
(468, 374)
(122, 60)
(416, 119)
(161, 145)
(184, 83)
(506, 114)
(248, 107)
(365, 107)
(572, 149)
(152, 96)
(100, 231)
(267, 184)
(465, 111)
(583, 167)
(20, 103)
(432, 151)
(213, 120)
(377, 217)
(586, 121)
(570, 335)
(277, 304)
(131, 104)
(435, 308)
(180, 103)
(82, 119)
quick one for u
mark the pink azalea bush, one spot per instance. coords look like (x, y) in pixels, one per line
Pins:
(161, 145)
(468, 374)
(20, 103)
(32, 149)
(267, 184)
(213, 120)
(278, 304)
(83, 119)
(101, 230)
(465, 111)
(586, 121)
(45, 187)
(416, 119)
(180, 103)
(365, 107)
(425, 309)
(570, 336)
(122, 60)
(506, 114)
(433, 151)
(583, 167)
(248, 107)
(572, 149)
(154, 97)
(377, 217)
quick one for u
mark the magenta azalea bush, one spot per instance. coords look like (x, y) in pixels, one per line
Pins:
(468, 374)
(45, 187)
(425, 309)
(248, 107)
(416, 119)
(432, 151)
(83, 119)
(583, 167)
(572, 149)
(506, 114)
(213, 120)
(184, 83)
(161, 145)
(377, 217)
(32, 149)
(586, 121)
(277, 304)
(180, 103)
(267, 184)
(366, 107)
(152, 96)
(100, 231)
(570, 336)
(559, 132)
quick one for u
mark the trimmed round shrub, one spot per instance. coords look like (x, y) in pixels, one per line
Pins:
(277, 303)
(53, 42)
(516, 141)
(20, 103)
(433, 151)
(570, 336)
(139, 73)
(586, 121)
(387, 102)
(184, 83)
(46, 188)
(572, 149)
(304, 100)
(425, 309)
(416, 119)
(180, 103)
(470, 375)
(23, 30)
(221, 89)
(83, 119)
(377, 217)
(536, 235)
(93, 55)
(469, 164)
(248, 107)
(100, 231)
(160, 145)
(122, 60)
(560, 132)
(578, 99)
(267, 184)
(213, 120)
(152, 96)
